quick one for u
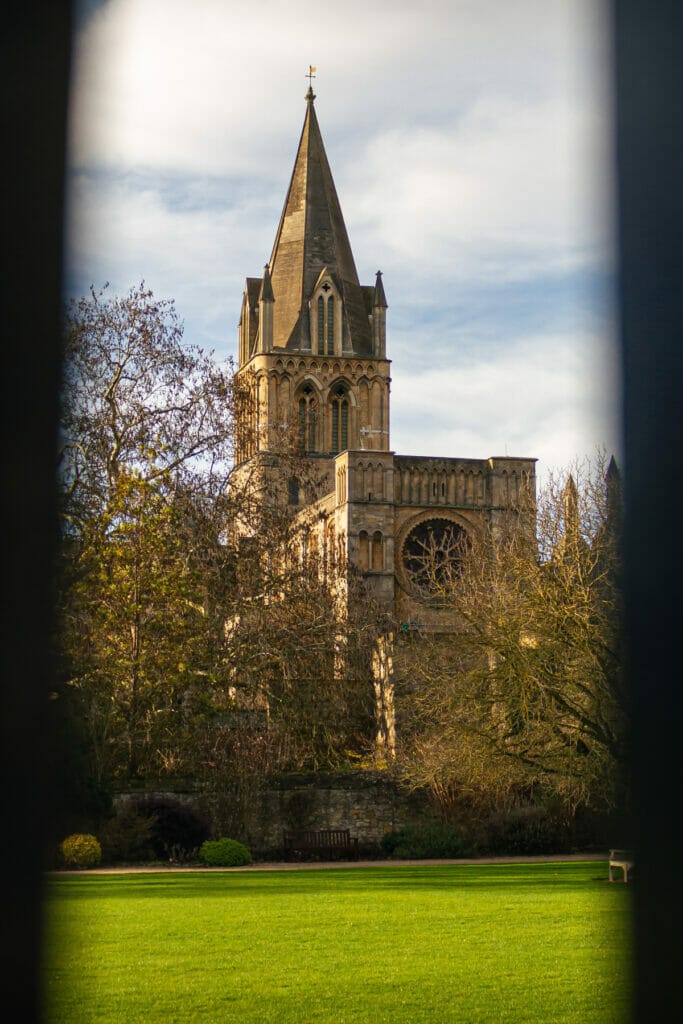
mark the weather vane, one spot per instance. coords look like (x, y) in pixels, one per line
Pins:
(311, 75)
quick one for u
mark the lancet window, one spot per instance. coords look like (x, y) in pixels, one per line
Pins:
(307, 420)
(325, 322)
(339, 420)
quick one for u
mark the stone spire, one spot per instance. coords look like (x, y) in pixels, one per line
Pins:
(379, 318)
(379, 300)
(312, 237)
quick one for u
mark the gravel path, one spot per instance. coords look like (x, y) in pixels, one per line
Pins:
(316, 865)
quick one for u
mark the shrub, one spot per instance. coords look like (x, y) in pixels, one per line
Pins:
(81, 850)
(128, 836)
(525, 830)
(426, 842)
(178, 830)
(224, 853)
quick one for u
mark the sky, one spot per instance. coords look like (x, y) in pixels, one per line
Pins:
(471, 146)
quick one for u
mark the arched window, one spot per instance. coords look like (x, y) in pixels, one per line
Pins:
(363, 551)
(377, 552)
(307, 420)
(293, 491)
(330, 325)
(325, 321)
(321, 326)
(339, 437)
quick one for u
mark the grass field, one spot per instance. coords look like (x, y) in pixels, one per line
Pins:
(474, 944)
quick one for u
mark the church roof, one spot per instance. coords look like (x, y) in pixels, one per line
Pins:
(312, 236)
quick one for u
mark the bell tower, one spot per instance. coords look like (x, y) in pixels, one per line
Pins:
(312, 339)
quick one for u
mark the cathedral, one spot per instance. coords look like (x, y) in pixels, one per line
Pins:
(313, 356)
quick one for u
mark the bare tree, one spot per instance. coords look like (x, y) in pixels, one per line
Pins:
(526, 688)
(146, 452)
(204, 631)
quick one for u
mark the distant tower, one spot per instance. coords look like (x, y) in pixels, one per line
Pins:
(312, 339)
(313, 362)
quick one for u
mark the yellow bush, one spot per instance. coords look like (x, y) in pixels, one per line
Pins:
(81, 851)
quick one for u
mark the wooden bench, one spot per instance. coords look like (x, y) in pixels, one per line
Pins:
(620, 860)
(321, 841)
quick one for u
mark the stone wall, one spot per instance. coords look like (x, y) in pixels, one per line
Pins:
(367, 803)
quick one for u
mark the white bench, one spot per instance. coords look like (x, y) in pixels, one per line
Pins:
(620, 860)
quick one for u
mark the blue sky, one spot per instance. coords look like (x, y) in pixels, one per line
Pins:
(470, 142)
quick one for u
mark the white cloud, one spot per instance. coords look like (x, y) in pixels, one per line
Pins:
(547, 397)
(469, 143)
(121, 233)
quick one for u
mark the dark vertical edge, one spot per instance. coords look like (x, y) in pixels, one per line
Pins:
(34, 58)
(649, 90)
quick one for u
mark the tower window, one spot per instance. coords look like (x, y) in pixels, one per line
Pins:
(326, 321)
(363, 551)
(307, 418)
(339, 440)
(377, 560)
(330, 325)
(321, 325)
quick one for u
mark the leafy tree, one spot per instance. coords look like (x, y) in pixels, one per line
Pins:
(200, 632)
(145, 454)
(525, 689)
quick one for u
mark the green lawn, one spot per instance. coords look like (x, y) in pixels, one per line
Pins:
(473, 944)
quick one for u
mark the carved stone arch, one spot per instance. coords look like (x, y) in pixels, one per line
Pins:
(308, 406)
(309, 378)
(480, 490)
(279, 365)
(451, 489)
(361, 477)
(406, 478)
(341, 415)
(342, 380)
(424, 487)
(447, 527)
(285, 393)
(377, 551)
(469, 487)
(326, 309)
(363, 550)
(291, 366)
(378, 478)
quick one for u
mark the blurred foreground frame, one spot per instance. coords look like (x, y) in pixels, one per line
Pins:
(649, 83)
(34, 58)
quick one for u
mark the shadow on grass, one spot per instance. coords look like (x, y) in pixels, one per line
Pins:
(229, 884)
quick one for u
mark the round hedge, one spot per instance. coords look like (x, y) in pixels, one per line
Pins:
(81, 850)
(224, 853)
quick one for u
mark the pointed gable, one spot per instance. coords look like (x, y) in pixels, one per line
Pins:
(311, 236)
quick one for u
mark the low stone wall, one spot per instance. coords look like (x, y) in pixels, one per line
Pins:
(367, 803)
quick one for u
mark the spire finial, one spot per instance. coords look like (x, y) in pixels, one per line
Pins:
(310, 95)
